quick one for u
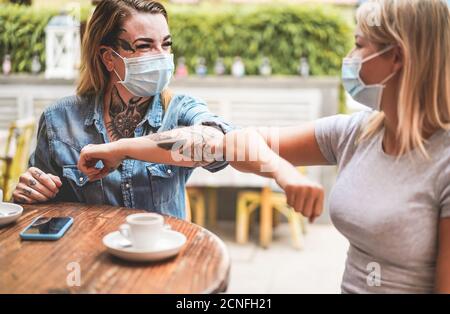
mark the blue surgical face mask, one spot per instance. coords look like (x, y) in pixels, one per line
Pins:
(369, 95)
(147, 76)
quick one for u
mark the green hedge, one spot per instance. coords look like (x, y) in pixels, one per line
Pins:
(22, 34)
(282, 33)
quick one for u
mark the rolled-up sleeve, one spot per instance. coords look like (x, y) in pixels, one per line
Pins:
(195, 112)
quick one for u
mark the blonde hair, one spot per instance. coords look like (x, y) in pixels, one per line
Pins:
(104, 28)
(421, 28)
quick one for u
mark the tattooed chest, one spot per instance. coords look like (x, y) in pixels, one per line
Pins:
(124, 123)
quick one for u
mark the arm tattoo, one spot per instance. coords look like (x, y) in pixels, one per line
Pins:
(167, 140)
(196, 143)
(125, 117)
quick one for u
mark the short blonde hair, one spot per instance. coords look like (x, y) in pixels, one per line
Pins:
(421, 28)
(104, 28)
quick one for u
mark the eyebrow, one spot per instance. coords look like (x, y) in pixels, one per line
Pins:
(150, 40)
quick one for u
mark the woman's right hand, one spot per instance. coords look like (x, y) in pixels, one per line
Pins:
(35, 186)
(304, 195)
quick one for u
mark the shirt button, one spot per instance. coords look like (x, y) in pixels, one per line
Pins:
(169, 171)
(81, 179)
(127, 186)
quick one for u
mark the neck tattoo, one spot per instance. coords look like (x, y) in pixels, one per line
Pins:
(125, 117)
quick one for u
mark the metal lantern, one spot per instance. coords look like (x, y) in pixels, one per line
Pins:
(62, 47)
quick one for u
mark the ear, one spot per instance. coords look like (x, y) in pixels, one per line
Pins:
(107, 57)
(398, 58)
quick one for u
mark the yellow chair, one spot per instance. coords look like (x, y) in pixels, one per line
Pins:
(15, 158)
(203, 201)
(187, 206)
(270, 204)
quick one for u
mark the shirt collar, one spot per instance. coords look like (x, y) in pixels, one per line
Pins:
(154, 113)
(95, 112)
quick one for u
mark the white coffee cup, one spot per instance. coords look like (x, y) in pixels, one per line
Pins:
(1, 195)
(143, 230)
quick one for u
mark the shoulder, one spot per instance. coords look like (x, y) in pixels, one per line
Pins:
(343, 125)
(70, 104)
(440, 158)
(66, 116)
(354, 122)
(337, 135)
(182, 106)
(184, 100)
(436, 167)
(71, 108)
(438, 147)
(445, 140)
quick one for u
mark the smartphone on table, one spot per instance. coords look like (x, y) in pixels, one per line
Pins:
(47, 228)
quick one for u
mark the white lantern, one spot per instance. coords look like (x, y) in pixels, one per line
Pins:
(62, 47)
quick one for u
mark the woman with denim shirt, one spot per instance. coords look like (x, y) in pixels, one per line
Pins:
(122, 93)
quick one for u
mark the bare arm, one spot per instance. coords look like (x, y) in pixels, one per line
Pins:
(442, 284)
(296, 144)
(247, 151)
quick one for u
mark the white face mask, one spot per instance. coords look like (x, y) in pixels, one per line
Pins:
(369, 95)
(147, 76)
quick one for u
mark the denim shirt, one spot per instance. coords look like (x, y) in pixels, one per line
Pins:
(73, 122)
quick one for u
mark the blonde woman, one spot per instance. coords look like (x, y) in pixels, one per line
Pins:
(392, 195)
(391, 199)
(123, 94)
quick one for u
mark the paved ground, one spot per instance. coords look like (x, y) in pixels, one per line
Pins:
(318, 268)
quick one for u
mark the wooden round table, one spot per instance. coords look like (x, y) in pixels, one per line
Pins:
(202, 266)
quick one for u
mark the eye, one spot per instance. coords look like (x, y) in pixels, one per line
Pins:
(358, 45)
(167, 44)
(145, 46)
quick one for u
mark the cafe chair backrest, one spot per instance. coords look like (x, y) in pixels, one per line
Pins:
(14, 160)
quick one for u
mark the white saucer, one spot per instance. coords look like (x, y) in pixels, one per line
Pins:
(169, 244)
(9, 213)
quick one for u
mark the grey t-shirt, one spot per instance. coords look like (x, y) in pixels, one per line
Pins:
(388, 209)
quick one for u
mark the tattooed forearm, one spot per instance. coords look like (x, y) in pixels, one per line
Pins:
(170, 143)
(168, 140)
(125, 117)
(198, 143)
